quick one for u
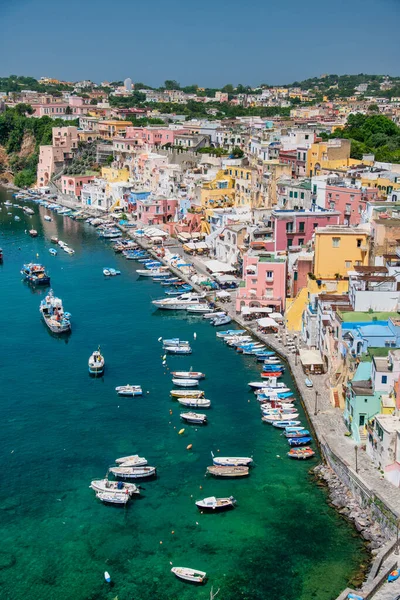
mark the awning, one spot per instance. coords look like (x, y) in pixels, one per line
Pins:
(216, 266)
(267, 322)
(225, 278)
(249, 310)
(311, 357)
(223, 294)
(277, 316)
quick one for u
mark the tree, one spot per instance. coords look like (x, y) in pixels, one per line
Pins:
(25, 178)
(228, 88)
(237, 152)
(373, 108)
(22, 109)
(68, 110)
(93, 101)
(171, 84)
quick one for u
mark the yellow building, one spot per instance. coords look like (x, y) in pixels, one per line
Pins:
(338, 249)
(110, 129)
(244, 180)
(328, 155)
(383, 184)
(218, 193)
(112, 175)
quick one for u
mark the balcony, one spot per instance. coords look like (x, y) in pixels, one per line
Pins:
(269, 279)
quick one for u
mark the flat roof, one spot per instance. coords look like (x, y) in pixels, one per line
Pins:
(367, 317)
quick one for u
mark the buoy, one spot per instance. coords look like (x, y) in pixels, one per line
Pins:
(172, 532)
(189, 447)
(160, 542)
(164, 357)
(201, 487)
(181, 431)
(170, 411)
(160, 339)
(107, 576)
(195, 335)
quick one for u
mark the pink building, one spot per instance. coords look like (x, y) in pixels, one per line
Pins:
(51, 158)
(295, 228)
(155, 210)
(51, 107)
(153, 136)
(349, 201)
(72, 184)
(264, 282)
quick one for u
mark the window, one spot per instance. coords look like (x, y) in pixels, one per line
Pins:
(384, 378)
(314, 189)
(295, 194)
(359, 242)
(269, 274)
(335, 242)
(302, 195)
(290, 194)
(315, 225)
(347, 264)
(348, 208)
(301, 242)
(301, 226)
(332, 205)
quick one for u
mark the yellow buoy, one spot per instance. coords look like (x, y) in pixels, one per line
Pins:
(170, 411)
(189, 447)
(181, 431)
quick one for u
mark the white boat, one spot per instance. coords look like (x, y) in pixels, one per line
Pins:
(121, 498)
(107, 576)
(187, 375)
(187, 393)
(96, 363)
(192, 417)
(185, 349)
(214, 315)
(195, 402)
(257, 384)
(129, 390)
(68, 250)
(47, 218)
(109, 272)
(214, 504)
(132, 461)
(284, 410)
(186, 382)
(272, 391)
(133, 472)
(272, 361)
(174, 342)
(231, 461)
(187, 574)
(178, 302)
(199, 309)
(106, 272)
(53, 251)
(277, 387)
(148, 272)
(62, 244)
(276, 418)
(104, 485)
(17, 218)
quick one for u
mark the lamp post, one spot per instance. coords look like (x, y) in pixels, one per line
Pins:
(356, 451)
(396, 551)
(316, 403)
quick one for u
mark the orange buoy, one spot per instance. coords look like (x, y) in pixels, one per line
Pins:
(189, 447)
(181, 431)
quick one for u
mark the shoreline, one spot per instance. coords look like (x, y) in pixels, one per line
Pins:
(337, 464)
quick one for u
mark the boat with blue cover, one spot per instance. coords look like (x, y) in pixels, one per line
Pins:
(285, 424)
(35, 274)
(53, 251)
(393, 575)
(296, 434)
(299, 441)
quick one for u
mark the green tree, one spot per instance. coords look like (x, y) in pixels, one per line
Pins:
(171, 84)
(237, 152)
(228, 88)
(68, 110)
(23, 109)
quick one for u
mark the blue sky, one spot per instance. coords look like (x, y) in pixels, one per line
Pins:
(208, 42)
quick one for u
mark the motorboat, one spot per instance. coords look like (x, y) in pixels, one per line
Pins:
(129, 390)
(33, 233)
(133, 472)
(35, 274)
(53, 251)
(214, 504)
(51, 309)
(195, 402)
(120, 498)
(214, 315)
(219, 471)
(28, 211)
(174, 342)
(294, 429)
(187, 393)
(184, 349)
(301, 453)
(187, 375)
(68, 250)
(96, 363)
(62, 244)
(54, 239)
(108, 272)
(221, 321)
(199, 309)
(148, 272)
(231, 461)
(104, 485)
(181, 302)
(284, 424)
(296, 434)
(131, 461)
(186, 382)
(276, 418)
(299, 441)
(272, 382)
(270, 390)
(257, 384)
(192, 575)
(230, 332)
(195, 418)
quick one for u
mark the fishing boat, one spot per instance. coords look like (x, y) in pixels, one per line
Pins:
(187, 393)
(308, 382)
(219, 471)
(195, 418)
(221, 321)
(53, 251)
(35, 274)
(129, 390)
(214, 504)
(119, 498)
(33, 233)
(187, 375)
(299, 441)
(186, 382)
(133, 472)
(284, 424)
(104, 485)
(192, 575)
(296, 434)
(47, 218)
(301, 453)
(96, 363)
(51, 309)
(231, 461)
(195, 402)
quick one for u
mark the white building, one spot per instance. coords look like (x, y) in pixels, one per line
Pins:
(128, 84)
(94, 195)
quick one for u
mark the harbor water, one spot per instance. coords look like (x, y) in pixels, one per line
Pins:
(60, 429)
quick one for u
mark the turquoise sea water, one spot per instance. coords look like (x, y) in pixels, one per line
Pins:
(60, 429)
